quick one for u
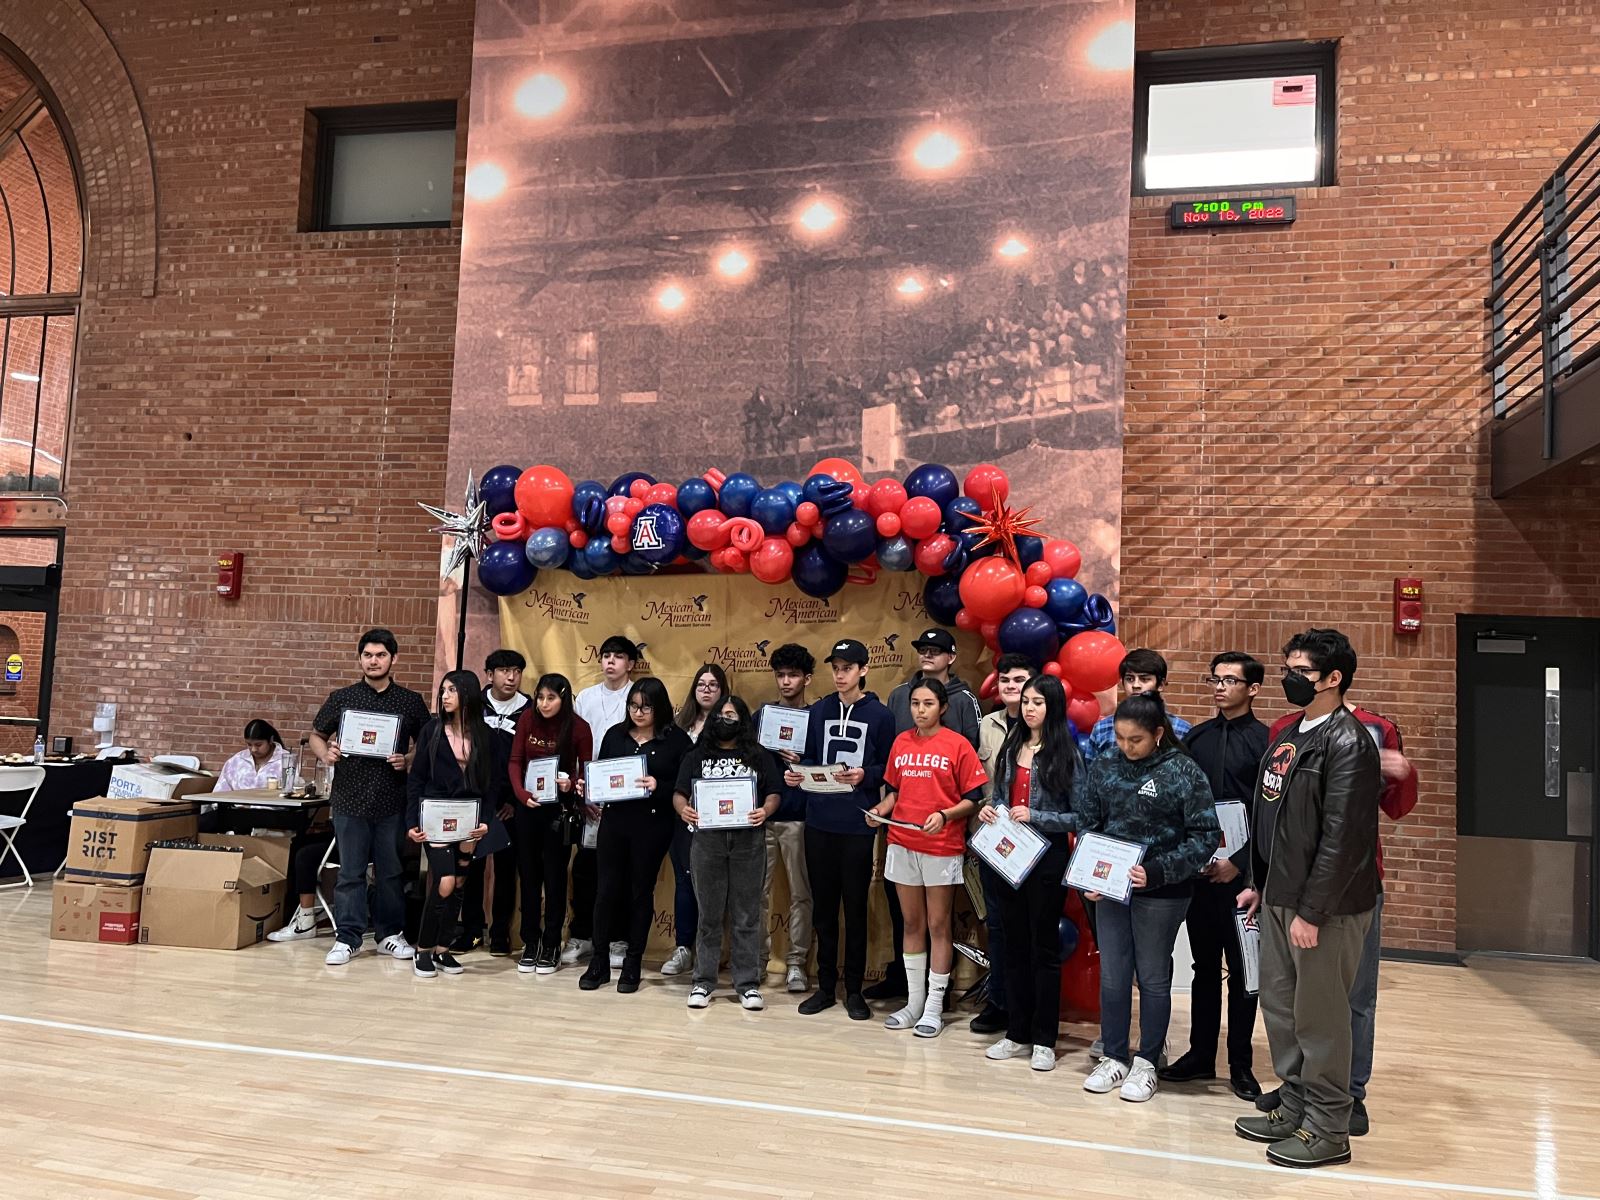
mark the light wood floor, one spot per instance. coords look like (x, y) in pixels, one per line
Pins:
(169, 1073)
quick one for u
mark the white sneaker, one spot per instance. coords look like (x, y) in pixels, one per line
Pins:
(699, 996)
(301, 926)
(576, 950)
(682, 960)
(1005, 1048)
(751, 999)
(795, 980)
(338, 955)
(396, 946)
(1044, 1058)
(1141, 1082)
(1105, 1077)
(619, 954)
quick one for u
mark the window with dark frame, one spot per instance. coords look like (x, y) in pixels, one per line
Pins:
(388, 166)
(1235, 117)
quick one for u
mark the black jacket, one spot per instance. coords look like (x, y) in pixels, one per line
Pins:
(436, 775)
(1325, 828)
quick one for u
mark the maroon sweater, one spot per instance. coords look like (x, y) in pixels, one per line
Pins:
(538, 738)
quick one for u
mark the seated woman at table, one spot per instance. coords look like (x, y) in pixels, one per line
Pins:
(263, 758)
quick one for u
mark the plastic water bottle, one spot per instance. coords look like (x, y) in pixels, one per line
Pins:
(38, 750)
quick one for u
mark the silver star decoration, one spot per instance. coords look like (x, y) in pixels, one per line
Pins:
(466, 527)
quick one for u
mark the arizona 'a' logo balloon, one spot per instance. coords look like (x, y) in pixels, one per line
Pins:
(645, 536)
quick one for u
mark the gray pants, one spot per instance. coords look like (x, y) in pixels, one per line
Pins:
(1305, 1005)
(729, 867)
(787, 839)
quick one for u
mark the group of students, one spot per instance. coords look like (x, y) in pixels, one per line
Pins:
(925, 766)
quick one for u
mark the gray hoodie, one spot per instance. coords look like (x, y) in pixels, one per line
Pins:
(962, 715)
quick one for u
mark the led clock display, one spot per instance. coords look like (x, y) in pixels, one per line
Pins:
(1235, 214)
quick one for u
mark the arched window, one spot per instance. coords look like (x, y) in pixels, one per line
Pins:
(41, 286)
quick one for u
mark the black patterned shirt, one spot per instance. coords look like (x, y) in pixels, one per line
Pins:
(370, 787)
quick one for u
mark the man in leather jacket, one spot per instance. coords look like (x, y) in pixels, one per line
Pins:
(1314, 857)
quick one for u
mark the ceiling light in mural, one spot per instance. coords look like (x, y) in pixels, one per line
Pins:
(541, 96)
(671, 298)
(485, 182)
(817, 217)
(733, 263)
(1112, 47)
(937, 150)
(1011, 247)
(911, 286)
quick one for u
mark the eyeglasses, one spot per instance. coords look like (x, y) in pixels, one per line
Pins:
(1222, 681)
(635, 706)
(1306, 671)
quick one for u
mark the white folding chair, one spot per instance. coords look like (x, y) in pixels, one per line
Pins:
(329, 863)
(187, 761)
(18, 779)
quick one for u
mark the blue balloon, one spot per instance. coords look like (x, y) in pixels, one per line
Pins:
(1067, 931)
(693, 553)
(504, 569)
(851, 536)
(1097, 613)
(937, 483)
(633, 564)
(959, 513)
(773, 510)
(695, 495)
(498, 489)
(622, 485)
(956, 561)
(738, 493)
(1085, 747)
(579, 565)
(896, 553)
(1064, 600)
(548, 547)
(1029, 632)
(601, 558)
(942, 598)
(587, 488)
(657, 534)
(832, 496)
(1030, 550)
(817, 573)
(792, 490)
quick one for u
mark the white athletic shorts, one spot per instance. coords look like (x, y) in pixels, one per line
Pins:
(916, 869)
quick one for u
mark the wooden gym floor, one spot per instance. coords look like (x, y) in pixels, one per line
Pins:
(163, 1073)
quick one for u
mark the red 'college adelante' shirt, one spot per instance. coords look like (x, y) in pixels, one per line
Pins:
(930, 774)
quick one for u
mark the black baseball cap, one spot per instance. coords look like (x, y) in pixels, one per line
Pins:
(936, 639)
(850, 651)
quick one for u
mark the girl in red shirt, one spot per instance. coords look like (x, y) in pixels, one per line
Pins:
(935, 781)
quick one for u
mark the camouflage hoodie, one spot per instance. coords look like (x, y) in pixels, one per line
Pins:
(1163, 802)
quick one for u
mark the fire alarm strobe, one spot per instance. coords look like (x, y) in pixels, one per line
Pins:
(230, 575)
(1408, 606)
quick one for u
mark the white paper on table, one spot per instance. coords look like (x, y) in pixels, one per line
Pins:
(820, 779)
(1249, 949)
(725, 803)
(368, 734)
(1235, 821)
(540, 781)
(1008, 846)
(1102, 864)
(449, 820)
(606, 780)
(784, 728)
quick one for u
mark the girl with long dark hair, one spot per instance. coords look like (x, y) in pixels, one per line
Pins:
(706, 695)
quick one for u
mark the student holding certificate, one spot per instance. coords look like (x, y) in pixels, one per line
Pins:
(935, 781)
(726, 789)
(792, 667)
(546, 827)
(635, 834)
(706, 694)
(1151, 793)
(1039, 781)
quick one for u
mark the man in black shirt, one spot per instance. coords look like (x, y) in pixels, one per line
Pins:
(369, 800)
(1228, 748)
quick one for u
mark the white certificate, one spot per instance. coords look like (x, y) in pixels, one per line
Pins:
(820, 779)
(1235, 821)
(1249, 948)
(725, 803)
(1008, 846)
(607, 780)
(368, 734)
(784, 728)
(449, 820)
(1101, 864)
(540, 781)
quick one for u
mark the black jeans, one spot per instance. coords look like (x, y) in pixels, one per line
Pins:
(1031, 916)
(585, 888)
(631, 848)
(440, 912)
(1213, 937)
(305, 862)
(840, 866)
(502, 903)
(541, 856)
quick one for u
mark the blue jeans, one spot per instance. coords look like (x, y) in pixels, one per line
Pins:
(362, 841)
(685, 908)
(1364, 1006)
(1136, 939)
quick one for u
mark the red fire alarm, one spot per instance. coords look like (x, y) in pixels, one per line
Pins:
(230, 575)
(1408, 606)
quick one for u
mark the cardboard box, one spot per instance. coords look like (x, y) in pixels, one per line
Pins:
(156, 781)
(94, 912)
(220, 894)
(109, 841)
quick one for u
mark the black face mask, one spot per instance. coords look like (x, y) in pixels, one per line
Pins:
(723, 729)
(1299, 690)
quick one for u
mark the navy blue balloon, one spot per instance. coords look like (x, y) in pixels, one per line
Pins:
(896, 553)
(937, 483)
(817, 573)
(1030, 550)
(498, 489)
(579, 565)
(773, 510)
(548, 547)
(942, 598)
(695, 495)
(633, 564)
(1067, 931)
(738, 493)
(602, 559)
(1085, 747)
(1029, 632)
(832, 496)
(851, 536)
(670, 536)
(792, 490)
(590, 512)
(693, 553)
(956, 561)
(504, 569)
(622, 485)
(1064, 600)
(1097, 613)
(588, 488)
(959, 513)
(1069, 630)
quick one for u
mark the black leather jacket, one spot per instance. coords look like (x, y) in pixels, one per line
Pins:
(1325, 833)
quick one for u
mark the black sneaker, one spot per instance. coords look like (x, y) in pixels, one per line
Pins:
(855, 1004)
(819, 1001)
(466, 942)
(892, 987)
(529, 962)
(628, 981)
(1268, 1101)
(448, 963)
(598, 974)
(500, 947)
(422, 965)
(549, 959)
(1188, 1069)
(1244, 1083)
(1360, 1123)
(990, 1020)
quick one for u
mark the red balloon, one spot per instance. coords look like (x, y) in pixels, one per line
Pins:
(578, 539)
(639, 489)
(797, 534)
(738, 562)
(988, 485)
(1092, 661)
(990, 687)
(572, 525)
(992, 588)
(662, 493)
(616, 503)
(888, 524)
(808, 514)
(1064, 559)
(886, 496)
(1035, 596)
(618, 523)
(1083, 713)
(744, 534)
(544, 496)
(772, 560)
(1038, 574)
(859, 496)
(708, 530)
(508, 527)
(841, 469)
(1053, 668)
(620, 543)
(633, 505)
(990, 630)
(966, 621)
(931, 552)
(920, 517)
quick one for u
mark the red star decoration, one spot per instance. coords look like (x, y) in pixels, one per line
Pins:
(1003, 526)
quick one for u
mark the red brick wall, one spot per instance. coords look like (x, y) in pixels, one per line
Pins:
(1303, 410)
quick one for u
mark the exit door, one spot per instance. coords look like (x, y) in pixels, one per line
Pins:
(1528, 851)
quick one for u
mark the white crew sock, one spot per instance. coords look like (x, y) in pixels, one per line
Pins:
(933, 1013)
(916, 991)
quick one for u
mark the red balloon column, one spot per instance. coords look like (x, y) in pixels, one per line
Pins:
(1080, 974)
